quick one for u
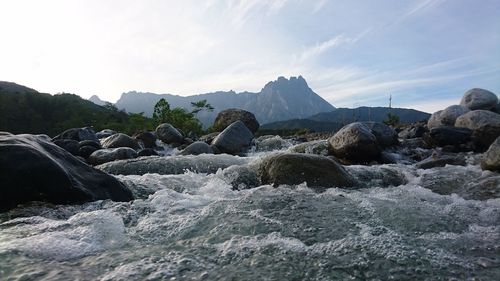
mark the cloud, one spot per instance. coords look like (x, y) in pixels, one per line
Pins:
(320, 48)
(241, 11)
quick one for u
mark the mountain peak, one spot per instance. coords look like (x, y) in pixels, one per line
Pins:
(95, 99)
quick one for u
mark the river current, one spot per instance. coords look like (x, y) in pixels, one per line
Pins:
(194, 226)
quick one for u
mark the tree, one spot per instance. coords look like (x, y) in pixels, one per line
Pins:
(201, 105)
(161, 111)
(392, 119)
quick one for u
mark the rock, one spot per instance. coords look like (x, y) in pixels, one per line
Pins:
(33, 169)
(95, 144)
(78, 134)
(491, 158)
(296, 168)
(413, 131)
(497, 108)
(484, 124)
(319, 147)
(105, 133)
(148, 139)
(355, 142)
(209, 137)
(271, 143)
(197, 148)
(234, 139)
(147, 152)
(111, 154)
(168, 134)
(386, 136)
(241, 177)
(445, 135)
(70, 146)
(440, 161)
(446, 117)
(203, 163)
(86, 150)
(229, 116)
(119, 140)
(476, 98)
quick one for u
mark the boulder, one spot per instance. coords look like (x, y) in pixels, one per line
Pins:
(86, 150)
(413, 131)
(70, 146)
(386, 136)
(95, 144)
(78, 134)
(111, 154)
(148, 139)
(485, 126)
(270, 143)
(33, 169)
(197, 148)
(355, 142)
(229, 116)
(208, 138)
(168, 134)
(105, 133)
(479, 99)
(447, 117)
(240, 177)
(319, 147)
(440, 161)
(119, 140)
(234, 139)
(296, 168)
(491, 158)
(446, 135)
(147, 152)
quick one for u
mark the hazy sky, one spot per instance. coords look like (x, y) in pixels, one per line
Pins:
(425, 53)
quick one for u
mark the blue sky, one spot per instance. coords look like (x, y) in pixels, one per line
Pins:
(425, 53)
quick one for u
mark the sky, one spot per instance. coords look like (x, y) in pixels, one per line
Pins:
(425, 53)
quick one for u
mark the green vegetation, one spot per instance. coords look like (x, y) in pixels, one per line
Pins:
(179, 117)
(392, 119)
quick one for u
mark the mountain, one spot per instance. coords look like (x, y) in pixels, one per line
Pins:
(95, 99)
(11, 87)
(336, 119)
(281, 99)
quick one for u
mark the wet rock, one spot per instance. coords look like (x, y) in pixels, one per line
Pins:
(119, 140)
(241, 177)
(413, 131)
(319, 147)
(414, 143)
(148, 139)
(78, 134)
(377, 176)
(477, 98)
(33, 169)
(484, 124)
(203, 163)
(234, 139)
(355, 142)
(386, 136)
(209, 137)
(484, 188)
(70, 146)
(111, 154)
(147, 152)
(105, 133)
(296, 168)
(86, 150)
(491, 158)
(270, 143)
(437, 160)
(197, 148)
(446, 135)
(95, 144)
(169, 134)
(229, 116)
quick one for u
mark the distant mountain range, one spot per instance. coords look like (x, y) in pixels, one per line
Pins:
(282, 99)
(336, 119)
(95, 99)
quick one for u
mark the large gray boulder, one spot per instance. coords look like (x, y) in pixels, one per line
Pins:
(446, 135)
(147, 139)
(491, 158)
(102, 156)
(229, 116)
(169, 134)
(485, 126)
(197, 148)
(479, 99)
(119, 140)
(34, 169)
(105, 133)
(355, 142)
(446, 117)
(234, 139)
(385, 135)
(296, 168)
(78, 134)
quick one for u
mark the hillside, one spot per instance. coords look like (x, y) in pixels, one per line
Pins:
(11, 87)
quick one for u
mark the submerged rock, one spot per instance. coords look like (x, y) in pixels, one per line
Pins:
(196, 148)
(491, 158)
(169, 134)
(241, 177)
(234, 139)
(355, 142)
(33, 169)
(229, 116)
(119, 140)
(296, 168)
(111, 154)
(479, 99)
(203, 163)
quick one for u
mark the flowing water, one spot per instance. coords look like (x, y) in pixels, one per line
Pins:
(194, 226)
